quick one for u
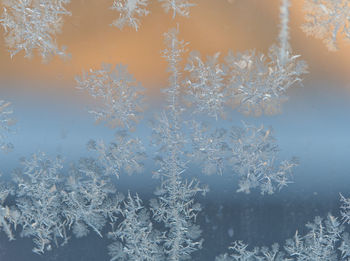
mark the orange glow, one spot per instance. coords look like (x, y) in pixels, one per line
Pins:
(214, 26)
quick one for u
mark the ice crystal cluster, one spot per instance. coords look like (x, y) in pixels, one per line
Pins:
(33, 24)
(254, 82)
(124, 154)
(129, 12)
(54, 201)
(137, 239)
(253, 156)
(324, 240)
(175, 206)
(89, 200)
(6, 123)
(326, 20)
(177, 7)
(118, 93)
(38, 201)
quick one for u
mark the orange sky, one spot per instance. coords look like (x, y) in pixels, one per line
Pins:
(214, 26)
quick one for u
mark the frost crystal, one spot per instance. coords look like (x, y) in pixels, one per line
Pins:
(181, 7)
(175, 206)
(206, 85)
(325, 19)
(345, 247)
(137, 238)
(122, 155)
(239, 252)
(345, 209)
(90, 200)
(6, 121)
(129, 12)
(32, 24)
(320, 243)
(209, 149)
(253, 158)
(259, 85)
(9, 217)
(118, 91)
(38, 200)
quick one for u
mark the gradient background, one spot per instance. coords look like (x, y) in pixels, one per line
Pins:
(314, 124)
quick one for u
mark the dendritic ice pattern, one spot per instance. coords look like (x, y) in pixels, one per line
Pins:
(259, 83)
(206, 86)
(135, 235)
(117, 92)
(130, 12)
(177, 7)
(89, 199)
(33, 24)
(39, 203)
(123, 155)
(253, 155)
(324, 240)
(50, 199)
(327, 20)
(6, 124)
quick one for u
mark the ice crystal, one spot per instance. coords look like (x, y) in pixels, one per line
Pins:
(345, 247)
(137, 240)
(253, 158)
(175, 48)
(89, 200)
(33, 24)
(180, 7)
(320, 242)
(175, 206)
(239, 252)
(118, 91)
(122, 155)
(6, 123)
(345, 209)
(258, 83)
(38, 200)
(206, 85)
(129, 12)
(326, 19)
(209, 148)
(9, 216)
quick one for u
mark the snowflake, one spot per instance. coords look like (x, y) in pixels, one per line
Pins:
(128, 10)
(124, 154)
(210, 149)
(9, 216)
(6, 122)
(137, 240)
(345, 209)
(325, 19)
(89, 200)
(259, 85)
(32, 24)
(239, 252)
(253, 154)
(319, 243)
(39, 202)
(118, 91)
(206, 86)
(175, 206)
(181, 7)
